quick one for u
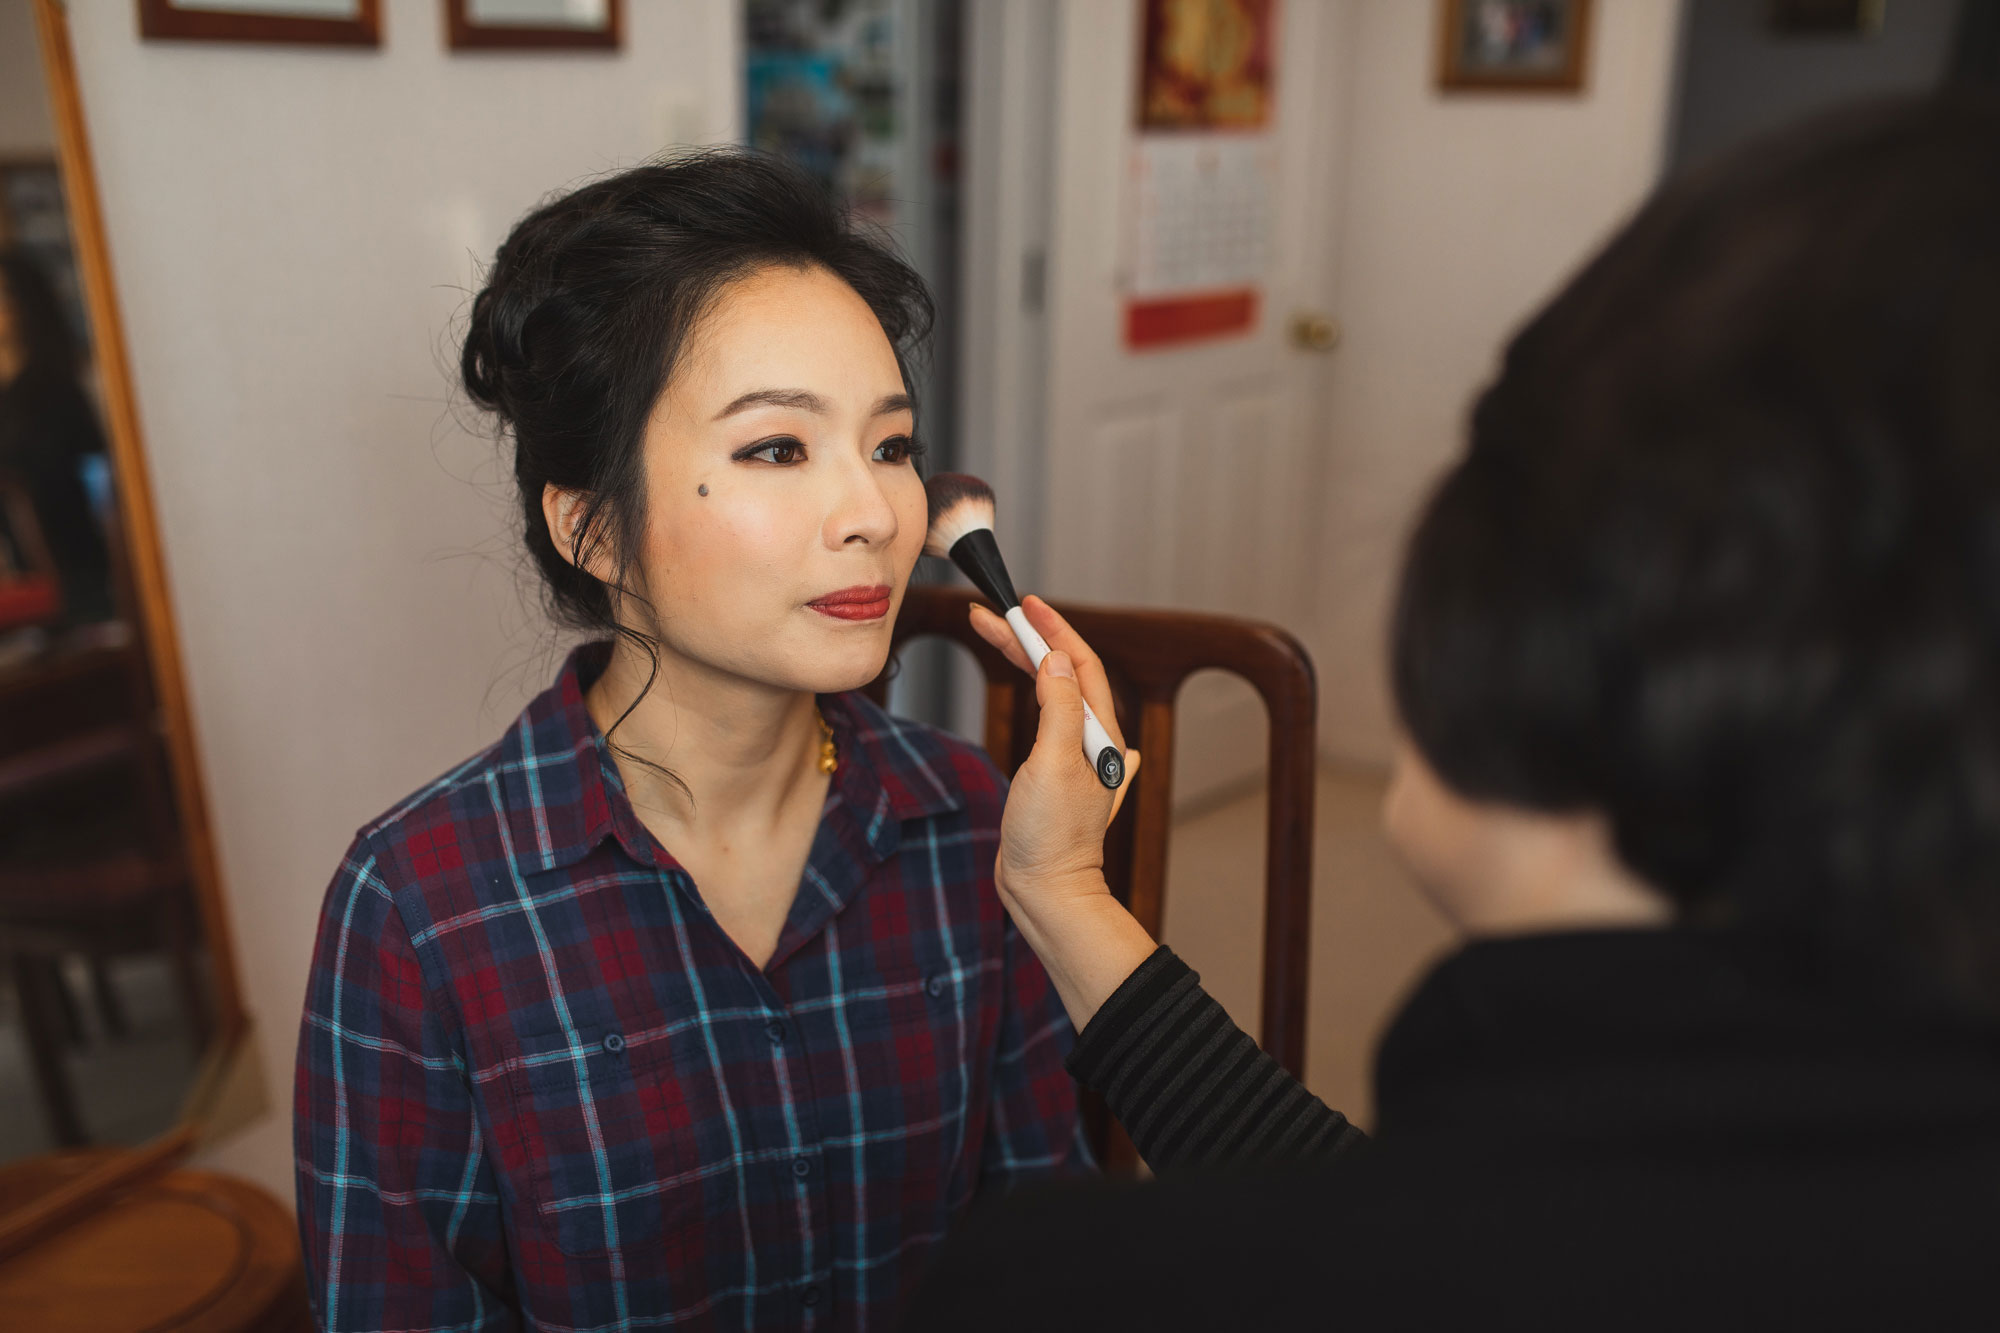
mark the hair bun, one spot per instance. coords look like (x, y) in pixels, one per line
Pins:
(496, 351)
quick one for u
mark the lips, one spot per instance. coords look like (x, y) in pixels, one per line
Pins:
(869, 602)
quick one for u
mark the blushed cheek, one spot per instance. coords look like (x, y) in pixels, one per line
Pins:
(912, 519)
(685, 558)
(730, 557)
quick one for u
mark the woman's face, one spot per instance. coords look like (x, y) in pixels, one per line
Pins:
(784, 512)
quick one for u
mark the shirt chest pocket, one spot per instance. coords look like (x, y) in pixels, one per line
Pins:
(611, 1138)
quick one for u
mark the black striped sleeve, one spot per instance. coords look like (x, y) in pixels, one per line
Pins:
(1192, 1088)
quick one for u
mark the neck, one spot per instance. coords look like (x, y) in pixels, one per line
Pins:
(1557, 873)
(744, 750)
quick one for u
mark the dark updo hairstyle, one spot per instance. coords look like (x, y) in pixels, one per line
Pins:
(1723, 559)
(587, 310)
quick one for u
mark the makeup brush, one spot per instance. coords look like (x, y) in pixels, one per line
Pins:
(961, 531)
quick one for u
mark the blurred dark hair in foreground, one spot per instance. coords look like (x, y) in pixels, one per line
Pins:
(1723, 559)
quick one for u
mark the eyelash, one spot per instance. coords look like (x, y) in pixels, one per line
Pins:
(910, 450)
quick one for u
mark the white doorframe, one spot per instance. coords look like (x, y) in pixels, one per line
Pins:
(1009, 137)
(1016, 52)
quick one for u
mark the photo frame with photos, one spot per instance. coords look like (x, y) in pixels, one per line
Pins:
(527, 25)
(307, 22)
(1513, 45)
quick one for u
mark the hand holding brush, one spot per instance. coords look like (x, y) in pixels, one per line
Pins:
(1049, 870)
(961, 530)
(1083, 664)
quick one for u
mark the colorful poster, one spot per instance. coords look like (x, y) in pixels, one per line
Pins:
(1206, 64)
(1202, 196)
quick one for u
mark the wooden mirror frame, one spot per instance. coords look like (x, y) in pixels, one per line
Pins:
(198, 1118)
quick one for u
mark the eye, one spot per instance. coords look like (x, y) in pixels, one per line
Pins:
(783, 451)
(898, 449)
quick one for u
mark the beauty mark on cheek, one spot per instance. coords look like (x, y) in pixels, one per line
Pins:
(701, 489)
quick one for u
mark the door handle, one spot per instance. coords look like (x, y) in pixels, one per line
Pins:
(1313, 332)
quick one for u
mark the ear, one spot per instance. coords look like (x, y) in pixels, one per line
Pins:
(564, 511)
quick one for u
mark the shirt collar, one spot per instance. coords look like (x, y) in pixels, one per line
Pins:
(564, 795)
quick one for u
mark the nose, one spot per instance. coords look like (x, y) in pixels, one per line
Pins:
(859, 512)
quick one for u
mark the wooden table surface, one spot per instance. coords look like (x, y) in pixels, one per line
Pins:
(188, 1251)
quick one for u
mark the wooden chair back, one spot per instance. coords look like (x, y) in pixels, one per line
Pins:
(1149, 655)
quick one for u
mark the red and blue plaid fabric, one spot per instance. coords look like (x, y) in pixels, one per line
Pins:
(538, 1086)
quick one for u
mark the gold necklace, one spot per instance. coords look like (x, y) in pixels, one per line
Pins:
(828, 760)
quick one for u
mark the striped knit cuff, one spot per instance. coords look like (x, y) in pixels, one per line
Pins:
(1189, 1086)
(1130, 1004)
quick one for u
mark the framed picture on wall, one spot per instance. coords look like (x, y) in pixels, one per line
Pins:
(1207, 64)
(475, 25)
(337, 22)
(1512, 45)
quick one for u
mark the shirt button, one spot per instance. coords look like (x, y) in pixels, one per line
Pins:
(935, 987)
(775, 1031)
(614, 1043)
(802, 1167)
(809, 1296)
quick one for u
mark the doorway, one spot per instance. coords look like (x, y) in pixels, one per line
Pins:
(1151, 229)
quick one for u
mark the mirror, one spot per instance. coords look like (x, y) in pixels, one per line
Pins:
(118, 998)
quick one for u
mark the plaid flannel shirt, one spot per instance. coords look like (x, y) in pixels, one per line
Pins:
(539, 1086)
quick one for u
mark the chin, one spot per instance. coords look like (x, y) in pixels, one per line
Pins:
(847, 667)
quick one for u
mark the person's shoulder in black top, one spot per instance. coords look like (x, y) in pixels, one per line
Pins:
(1644, 1129)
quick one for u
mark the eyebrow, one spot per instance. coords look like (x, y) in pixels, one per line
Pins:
(805, 400)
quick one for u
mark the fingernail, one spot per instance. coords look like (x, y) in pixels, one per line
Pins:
(1059, 665)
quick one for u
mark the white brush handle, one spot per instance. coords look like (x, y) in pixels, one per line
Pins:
(1106, 758)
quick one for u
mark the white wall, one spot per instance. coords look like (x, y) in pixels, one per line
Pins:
(26, 129)
(294, 231)
(1462, 213)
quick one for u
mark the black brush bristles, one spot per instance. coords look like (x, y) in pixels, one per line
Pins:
(961, 531)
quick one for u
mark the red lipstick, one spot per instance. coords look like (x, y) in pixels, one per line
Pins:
(870, 602)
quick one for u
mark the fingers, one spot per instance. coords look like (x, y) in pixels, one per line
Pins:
(1059, 732)
(1001, 635)
(1059, 634)
(1089, 670)
(1090, 674)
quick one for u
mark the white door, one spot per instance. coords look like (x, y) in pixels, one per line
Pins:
(1187, 476)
